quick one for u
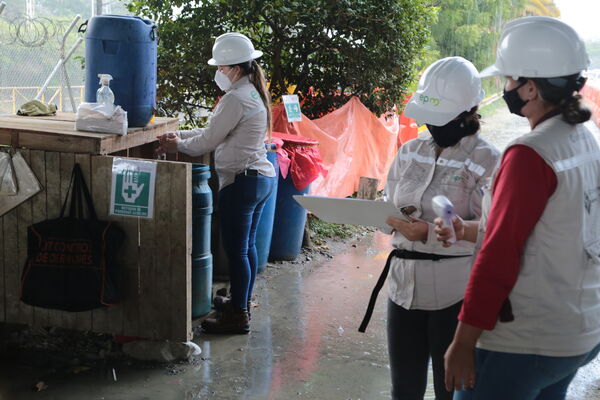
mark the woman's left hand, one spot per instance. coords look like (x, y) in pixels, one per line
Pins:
(415, 230)
(459, 363)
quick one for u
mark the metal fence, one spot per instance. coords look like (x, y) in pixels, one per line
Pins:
(31, 44)
(12, 97)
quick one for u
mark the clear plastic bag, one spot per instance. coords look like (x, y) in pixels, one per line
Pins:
(104, 118)
(25, 181)
(8, 180)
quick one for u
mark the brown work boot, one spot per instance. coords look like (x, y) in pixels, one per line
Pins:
(229, 320)
(220, 301)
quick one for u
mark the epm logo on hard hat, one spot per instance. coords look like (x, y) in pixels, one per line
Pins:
(426, 99)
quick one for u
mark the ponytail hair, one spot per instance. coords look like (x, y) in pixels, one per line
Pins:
(257, 78)
(561, 92)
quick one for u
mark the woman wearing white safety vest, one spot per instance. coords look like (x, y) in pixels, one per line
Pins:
(531, 312)
(236, 132)
(427, 281)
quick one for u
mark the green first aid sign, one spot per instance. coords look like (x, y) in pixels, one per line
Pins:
(132, 192)
(292, 108)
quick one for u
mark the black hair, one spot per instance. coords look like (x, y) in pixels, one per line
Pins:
(472, 120)
(562, 92)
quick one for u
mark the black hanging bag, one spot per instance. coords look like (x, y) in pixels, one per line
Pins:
(72, 261)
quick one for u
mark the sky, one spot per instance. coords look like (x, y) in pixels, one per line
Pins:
(583, 15)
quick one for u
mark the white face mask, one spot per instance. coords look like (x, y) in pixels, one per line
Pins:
(222, 81)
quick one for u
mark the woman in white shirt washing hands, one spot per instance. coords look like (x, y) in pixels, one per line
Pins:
(236, 133)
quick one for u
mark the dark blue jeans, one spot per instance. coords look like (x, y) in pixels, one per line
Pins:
(241, 205)
(502, 376)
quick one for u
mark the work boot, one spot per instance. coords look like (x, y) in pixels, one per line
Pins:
(219, 301)
(229, 320)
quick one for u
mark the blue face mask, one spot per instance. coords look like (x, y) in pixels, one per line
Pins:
(513, 101)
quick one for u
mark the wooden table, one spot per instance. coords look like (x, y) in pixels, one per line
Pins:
(58, 133)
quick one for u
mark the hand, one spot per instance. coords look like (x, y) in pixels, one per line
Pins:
(444, 233)
(415, 230)
(130, 189)
(459, 362)
(169, 135)
(168, 143)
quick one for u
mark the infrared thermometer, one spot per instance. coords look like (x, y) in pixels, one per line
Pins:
(445, 210)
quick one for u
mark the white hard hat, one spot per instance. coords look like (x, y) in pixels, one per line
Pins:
(233, 48)
(538, 47)
(447, 88)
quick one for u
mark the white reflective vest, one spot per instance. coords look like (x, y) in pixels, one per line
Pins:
(556, 299)
(415, 177)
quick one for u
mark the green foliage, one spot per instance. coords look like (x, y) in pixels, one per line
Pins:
(322, 229)
(471, 29)
(331, 50)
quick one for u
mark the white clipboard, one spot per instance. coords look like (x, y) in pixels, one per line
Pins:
(351, 211)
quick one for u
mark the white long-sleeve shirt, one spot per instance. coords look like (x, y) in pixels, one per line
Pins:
(236, 132)
(415, 177)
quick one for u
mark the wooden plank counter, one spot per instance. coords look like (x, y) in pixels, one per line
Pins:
(155, 258)
(58, 133)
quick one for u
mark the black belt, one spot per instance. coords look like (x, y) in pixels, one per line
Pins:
(398, 253)
(250, 172)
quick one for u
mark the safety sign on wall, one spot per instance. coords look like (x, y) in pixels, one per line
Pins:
(132, 192)
(292, 108)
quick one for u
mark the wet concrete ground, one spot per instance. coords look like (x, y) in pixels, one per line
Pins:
(304, 344)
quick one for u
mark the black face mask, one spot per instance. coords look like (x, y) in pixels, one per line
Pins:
(449, 134)
(513, 101)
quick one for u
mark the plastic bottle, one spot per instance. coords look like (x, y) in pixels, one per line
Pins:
(104, 95)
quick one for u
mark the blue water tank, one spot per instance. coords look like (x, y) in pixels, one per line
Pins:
(202, 209)
(290, 218)
(264, 231)
(124, 47)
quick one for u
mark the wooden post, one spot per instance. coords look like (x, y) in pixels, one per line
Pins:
(367, 188)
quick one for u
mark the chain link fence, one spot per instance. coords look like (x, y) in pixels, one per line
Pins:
(31, 33)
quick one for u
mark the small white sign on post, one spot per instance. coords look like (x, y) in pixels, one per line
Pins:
(132, 188)
(292, 108)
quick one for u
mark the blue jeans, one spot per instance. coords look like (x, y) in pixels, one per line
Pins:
(502, 376)
(241, 205)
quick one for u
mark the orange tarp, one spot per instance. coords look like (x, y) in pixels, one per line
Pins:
(353, 142)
